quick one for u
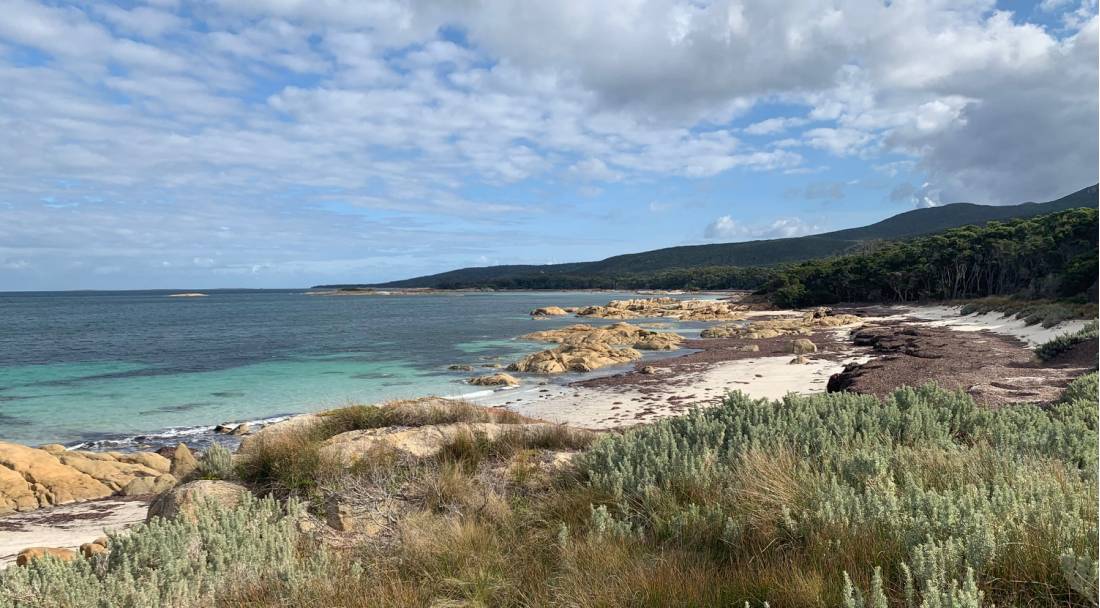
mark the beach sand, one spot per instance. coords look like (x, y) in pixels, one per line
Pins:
(68, 526)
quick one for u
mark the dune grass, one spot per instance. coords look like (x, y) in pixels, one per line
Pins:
(1048, 313)
(1060, 344)
(919, 499)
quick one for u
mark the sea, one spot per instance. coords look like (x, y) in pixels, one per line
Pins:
(127, 369)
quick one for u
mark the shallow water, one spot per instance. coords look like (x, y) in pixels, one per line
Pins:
(85, 366)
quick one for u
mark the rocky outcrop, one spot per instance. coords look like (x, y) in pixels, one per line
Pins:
(500, 379)
(30, 554)
(184, 462)
(685, 310)
(184, 500)
(31, 478)
(802, 346)
(619, 334)
(773, 328)
(94, 548)
(574, 358)
(549, 311)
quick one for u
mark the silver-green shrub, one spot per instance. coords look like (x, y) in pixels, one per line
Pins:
(958, 494)
(216, 463)
(174, 563)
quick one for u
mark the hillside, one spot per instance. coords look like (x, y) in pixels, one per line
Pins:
(751, 253)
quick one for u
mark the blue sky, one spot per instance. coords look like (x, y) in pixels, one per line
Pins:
(269, 143)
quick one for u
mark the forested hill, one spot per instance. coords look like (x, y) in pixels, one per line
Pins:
(747, 254)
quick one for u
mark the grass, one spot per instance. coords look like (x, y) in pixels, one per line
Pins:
(830, 500)
(1060, 344)
(293, 464)
(1048, 313)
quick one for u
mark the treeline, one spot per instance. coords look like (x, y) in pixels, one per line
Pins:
(1053, 256)
(710, 277)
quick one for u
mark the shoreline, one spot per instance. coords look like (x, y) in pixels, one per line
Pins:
(620, 396)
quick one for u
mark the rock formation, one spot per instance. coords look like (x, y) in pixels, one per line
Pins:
(685, 310)
(500, 379)
(619, 334)
(183, 501)
(575, 358)
(31, 478)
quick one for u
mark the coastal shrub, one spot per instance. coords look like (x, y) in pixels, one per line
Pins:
(1060, 344)
(945, 498)
(175, 563)
(1082, 389)
(216, 463)
(288, 464)
(421, 412)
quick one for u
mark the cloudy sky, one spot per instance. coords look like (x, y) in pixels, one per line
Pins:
(263, 143)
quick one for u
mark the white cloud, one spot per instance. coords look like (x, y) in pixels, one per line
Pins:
(302, 110)
(726, 228)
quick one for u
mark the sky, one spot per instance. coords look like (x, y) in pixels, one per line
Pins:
(285, 143)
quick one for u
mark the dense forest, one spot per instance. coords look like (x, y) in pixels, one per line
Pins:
(1053, 255)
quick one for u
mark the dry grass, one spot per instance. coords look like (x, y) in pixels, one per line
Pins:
(414, 412)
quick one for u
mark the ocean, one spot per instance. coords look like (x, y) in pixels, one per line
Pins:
(139, 367)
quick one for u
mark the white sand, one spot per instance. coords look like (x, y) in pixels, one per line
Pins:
(994, 322)
(616, 406)
(66, 526)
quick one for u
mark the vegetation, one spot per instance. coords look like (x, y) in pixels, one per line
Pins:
(921, 499)
(216, 463)
(698, 265)
(1048, 313)
(1060, 344)
(1033, 258)
(292, 464)
(176, 563)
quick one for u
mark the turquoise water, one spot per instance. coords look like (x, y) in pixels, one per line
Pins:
(88, 366)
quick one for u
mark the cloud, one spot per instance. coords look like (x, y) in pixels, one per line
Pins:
(356, 120)
(726, 228)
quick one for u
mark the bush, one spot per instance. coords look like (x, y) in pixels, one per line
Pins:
(1052, 348)
(174, 563)
(216, 463)
(926, 486)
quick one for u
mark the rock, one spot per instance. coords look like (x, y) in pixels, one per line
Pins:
(748, 348)
(241, 429)
(460, 368)
(224, 428)
(549, 311)
(802, 346)
(799, 360)
(94, 548)
(685, 310)
(500, 379)
(619, 334)
(184, 462)
(183, 501)
(139, 486)
(53, 448)
(648, 370)
(31, 478)
(30, 554)
(150, 460)
(574, 358)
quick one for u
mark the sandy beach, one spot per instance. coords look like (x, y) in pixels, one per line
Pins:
(702, 374)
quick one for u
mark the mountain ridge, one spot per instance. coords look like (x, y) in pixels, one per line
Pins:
(765, 252)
